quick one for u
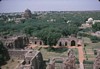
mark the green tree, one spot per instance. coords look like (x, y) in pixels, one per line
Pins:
(70, 29)
(96, 26)
(94, 39)
(3, 53)
(49, 37)
(28, 30)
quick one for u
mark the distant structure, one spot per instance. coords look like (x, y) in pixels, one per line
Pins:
(19, 20)
(89, 23)
(70, 41)
(27, 14)
(96, 64)
(97, 33)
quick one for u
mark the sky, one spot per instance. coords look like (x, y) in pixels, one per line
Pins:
(7, 6)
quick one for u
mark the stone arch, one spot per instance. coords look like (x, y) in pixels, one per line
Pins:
(10, 45)
(73, 43)
(66, 43)
(60, 43)
(40, 42)
(28, 62)
(35, 42)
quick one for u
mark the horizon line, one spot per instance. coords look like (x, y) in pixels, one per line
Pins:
(56, 11)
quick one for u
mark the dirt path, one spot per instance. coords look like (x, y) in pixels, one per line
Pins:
(81, 54)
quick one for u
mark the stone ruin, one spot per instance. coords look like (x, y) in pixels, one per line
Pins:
(96, 64)
(67, 63)
(70, 41)
(17, 48)
(29, 59)
(15, 42)
(36, 41)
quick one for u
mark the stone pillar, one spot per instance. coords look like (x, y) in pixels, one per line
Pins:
(51, 66)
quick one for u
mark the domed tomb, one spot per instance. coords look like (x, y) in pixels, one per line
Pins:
(27, 14)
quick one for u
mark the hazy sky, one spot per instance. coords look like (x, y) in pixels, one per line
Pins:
(48, 5)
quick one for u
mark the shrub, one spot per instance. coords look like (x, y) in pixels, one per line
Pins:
(87, 62)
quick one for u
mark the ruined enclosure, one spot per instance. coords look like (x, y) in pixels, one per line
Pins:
(12, 42)
(65, 63)
(29, 59)
(70, 41)
(36, 41)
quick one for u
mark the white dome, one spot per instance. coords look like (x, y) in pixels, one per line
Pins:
(90, 19)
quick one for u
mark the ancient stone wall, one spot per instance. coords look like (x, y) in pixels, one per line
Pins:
(69, 63)
(31, 59)
(20, 54)
(17, 42)
(70, 41)
(36, 41)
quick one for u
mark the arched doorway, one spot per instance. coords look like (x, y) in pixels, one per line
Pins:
(65, 43)
(35, 42)
(60, 44)
(73, 43)
(40, 43)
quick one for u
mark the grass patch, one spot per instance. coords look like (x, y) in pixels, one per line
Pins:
(87, 62)
(50, 54)
(58, 50)
(76, 52)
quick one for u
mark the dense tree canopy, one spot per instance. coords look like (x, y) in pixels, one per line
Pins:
(43, 26)
(49, 36)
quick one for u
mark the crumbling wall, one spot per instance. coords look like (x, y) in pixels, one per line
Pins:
(96, 64)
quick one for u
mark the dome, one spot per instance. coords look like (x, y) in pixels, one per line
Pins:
(27, 13)
(90, 19)
(27, 10)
